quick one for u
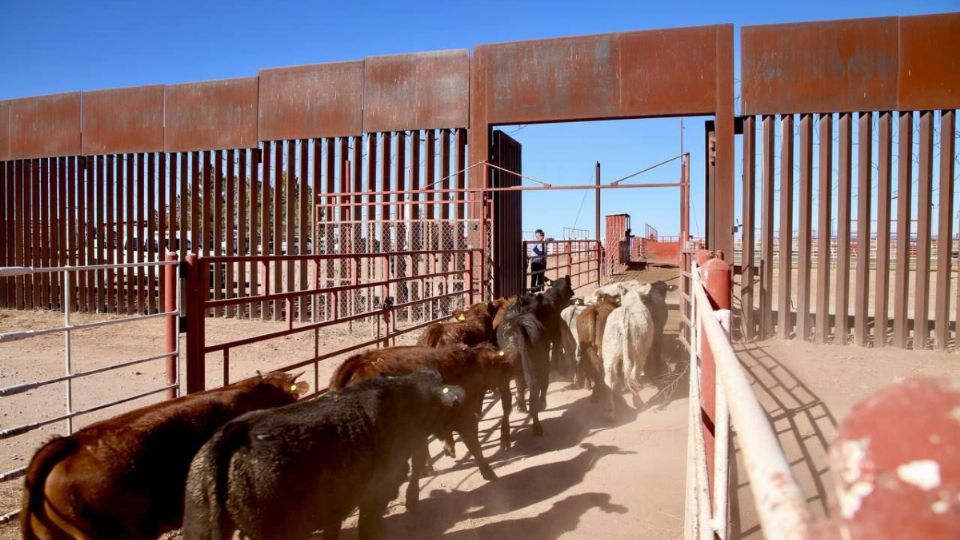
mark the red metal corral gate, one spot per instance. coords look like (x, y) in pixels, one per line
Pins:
(508, 215)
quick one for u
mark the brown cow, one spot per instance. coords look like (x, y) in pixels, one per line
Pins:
(590, 327)
(502, 305)
(475, 369)
(472, 327)
(124, 477)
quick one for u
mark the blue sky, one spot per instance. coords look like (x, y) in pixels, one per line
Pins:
(48, 47)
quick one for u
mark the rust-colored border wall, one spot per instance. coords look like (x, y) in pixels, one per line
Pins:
(213, 115)
(416, 91)
(123, 120)
(4, 130)
(634, 74)
(891, 63)
(929, 63)
(46, 126)
(322, 100)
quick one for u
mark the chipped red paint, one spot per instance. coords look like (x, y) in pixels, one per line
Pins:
(896, 463)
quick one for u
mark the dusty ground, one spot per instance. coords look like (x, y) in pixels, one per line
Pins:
(583, 479)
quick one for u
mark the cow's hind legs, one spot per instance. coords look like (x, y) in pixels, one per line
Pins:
(419, 462)
(469, 435)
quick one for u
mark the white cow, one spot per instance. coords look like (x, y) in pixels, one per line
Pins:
(627, 343)
(571, 342)
(617, 288)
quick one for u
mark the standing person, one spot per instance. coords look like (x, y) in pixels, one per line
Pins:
(538, 261)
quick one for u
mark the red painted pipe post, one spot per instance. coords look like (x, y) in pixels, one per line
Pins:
(170, 330)
(196, 291)
(716, 276)
(894, 464)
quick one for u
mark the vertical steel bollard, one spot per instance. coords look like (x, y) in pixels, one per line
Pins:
(170, 327)
(195, 297)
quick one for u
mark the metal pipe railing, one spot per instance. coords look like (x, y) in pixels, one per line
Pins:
(780, 503)
(171, 349)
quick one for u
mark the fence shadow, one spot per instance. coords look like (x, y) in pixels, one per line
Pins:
(802, 421)
(443, 508)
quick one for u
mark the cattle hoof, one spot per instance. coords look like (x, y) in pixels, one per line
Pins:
(637, 402)
(428, 469)
(538, 430)
(449, 450)
(543, 404)
(488, 474)
(505, 445)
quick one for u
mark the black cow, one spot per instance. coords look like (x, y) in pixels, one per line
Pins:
(307, 466)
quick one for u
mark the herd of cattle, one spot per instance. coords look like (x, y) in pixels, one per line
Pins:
(253, 457)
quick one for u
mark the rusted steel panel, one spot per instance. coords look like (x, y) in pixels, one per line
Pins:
(805, 236)
(749, 211)
(372, 177)
(231, 232)
(945, 229)
(820, 66)
(123, 120)
(210, 115)
(882, 293)
(320, 100)
(842, 308)
(5, 130)
(766, 228)
(657, 72)
(864, 184)
(45, 126)
(824, 229)
(929, 65)
(921, 315)
(722, 213)
(416, 91)
(785, 268)
(461, 150)
(901, 289)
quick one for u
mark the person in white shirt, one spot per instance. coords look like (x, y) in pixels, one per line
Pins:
(538, 261)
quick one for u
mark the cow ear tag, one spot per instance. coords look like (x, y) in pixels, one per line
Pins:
(445, 390)
(293, 388)
(460, 317)
(499, 353)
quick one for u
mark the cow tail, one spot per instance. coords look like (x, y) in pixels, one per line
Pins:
(43, 462)
(341, 377)
(205, 514)
(529, 334)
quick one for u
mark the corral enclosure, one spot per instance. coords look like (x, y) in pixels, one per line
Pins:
(351, 204)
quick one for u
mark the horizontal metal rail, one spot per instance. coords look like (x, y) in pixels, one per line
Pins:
(222, 259)
(13, 271)
(25, 387)
(24, 334)
(780, 503)
(10, 432)
(327, 290)
(323, 324)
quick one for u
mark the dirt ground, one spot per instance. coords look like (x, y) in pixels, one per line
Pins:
(583, 479)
